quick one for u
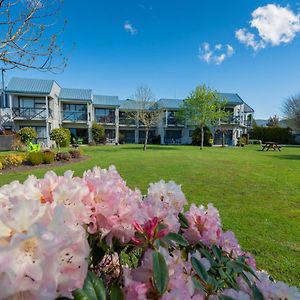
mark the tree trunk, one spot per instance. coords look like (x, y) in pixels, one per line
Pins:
(146, 139)
(202, 138)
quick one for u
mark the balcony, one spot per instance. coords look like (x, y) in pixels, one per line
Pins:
(172, 121)
(172, 141)
(29, 113)
(105, 119)
(74, 116)
(127, 121)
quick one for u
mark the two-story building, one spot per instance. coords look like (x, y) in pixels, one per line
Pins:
(45, 105)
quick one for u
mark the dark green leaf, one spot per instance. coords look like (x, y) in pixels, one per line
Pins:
(257, 295)
(116, 292)
(246, 279)
(199, 268)
(183, 221)
(207, 255)
(160, 273)
(217, 252)
(94, 287)
(80, 294)
(236, 266)
(198, 285)
(177, 238)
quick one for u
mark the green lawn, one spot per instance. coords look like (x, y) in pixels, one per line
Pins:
(257, 193)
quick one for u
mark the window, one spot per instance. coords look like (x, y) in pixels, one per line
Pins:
(104, 115)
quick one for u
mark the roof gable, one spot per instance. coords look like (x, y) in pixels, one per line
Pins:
(75, 94)
(30, 86)
(106, 100)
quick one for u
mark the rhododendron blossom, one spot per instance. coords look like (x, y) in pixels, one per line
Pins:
(56, 231)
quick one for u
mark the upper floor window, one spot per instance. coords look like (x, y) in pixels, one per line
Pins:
(104, 115)
(74, 107)
(31, 102)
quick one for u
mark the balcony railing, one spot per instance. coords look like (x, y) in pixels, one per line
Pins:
(30, 113)
(105, 119)
(175, 141)
(173, 122)
(71, 115)
(126, 121)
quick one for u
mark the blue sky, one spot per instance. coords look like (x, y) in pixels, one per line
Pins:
(120, 44)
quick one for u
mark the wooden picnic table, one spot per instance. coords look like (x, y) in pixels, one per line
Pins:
(270, 145)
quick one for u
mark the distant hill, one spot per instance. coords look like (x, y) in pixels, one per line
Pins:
(261, 122)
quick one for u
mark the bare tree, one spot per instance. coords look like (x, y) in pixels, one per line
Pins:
(273, 121)
(146, 111)
(291, 109)
(29, 32)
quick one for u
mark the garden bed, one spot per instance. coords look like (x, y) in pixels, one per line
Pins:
(26, 166)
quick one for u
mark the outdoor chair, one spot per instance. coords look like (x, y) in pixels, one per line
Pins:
(34, 147)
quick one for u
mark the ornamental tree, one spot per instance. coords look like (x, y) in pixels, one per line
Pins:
(26, 135)
(291, 109)
(61, 136)
(146, 111)
(203, 108)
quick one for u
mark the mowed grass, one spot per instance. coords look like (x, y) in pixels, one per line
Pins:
(257, 193)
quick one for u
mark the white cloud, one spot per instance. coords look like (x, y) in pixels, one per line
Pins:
(274, 24)
(129, 28)
(217, 55)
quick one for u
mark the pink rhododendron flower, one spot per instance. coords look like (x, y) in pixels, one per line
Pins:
(148, 233)
(41, 244)
(114, 206)
(164, 201)
(204, 225)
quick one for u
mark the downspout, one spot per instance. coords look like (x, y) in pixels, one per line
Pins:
(47, 123)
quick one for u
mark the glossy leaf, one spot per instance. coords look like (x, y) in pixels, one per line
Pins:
(198, 285)
(116, 292)
(183, 221)
(177, 238)
(93, 289)
(257, 295)
(160, 273)
(199, 268)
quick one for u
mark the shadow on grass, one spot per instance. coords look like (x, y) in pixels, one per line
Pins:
(291, 157)
(165, 147)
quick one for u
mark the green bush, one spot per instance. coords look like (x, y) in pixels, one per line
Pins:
(75, 153)
(98, 133)
(26, 135)
(35, 158)
(121, 138)
(61, 136)
(272, 134)
(63, 156)
(196, 137)
(48, 157)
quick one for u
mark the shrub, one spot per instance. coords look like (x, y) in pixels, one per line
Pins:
(35, 158)
(113, 241)
(17, 145)
(63, 156)
(156, 140)
(1, 166)
(121, 138)
(61, 136)
(26, 135)
(75, 153)
(273, 134)
(48, 157)
(12, 160)
(98, 133)
(196, 137)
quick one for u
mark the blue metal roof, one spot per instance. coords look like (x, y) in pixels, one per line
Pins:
(30, 86)
(128, 104)
(106, 100)
(231, 98)
(75, 94)
(169, 103)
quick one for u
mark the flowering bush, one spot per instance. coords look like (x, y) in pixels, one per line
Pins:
(12, 160)
(95, 238)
